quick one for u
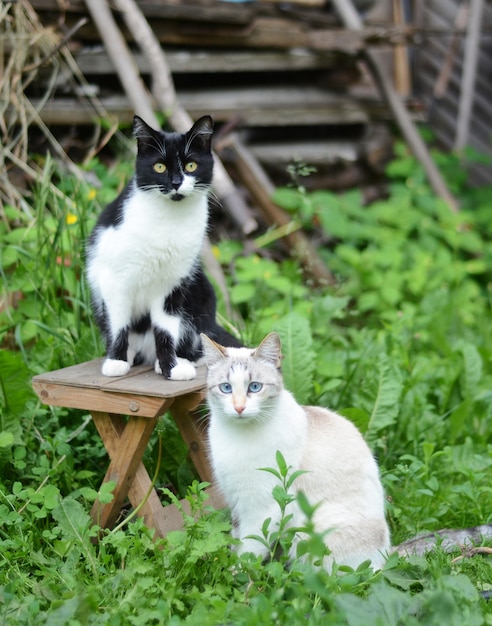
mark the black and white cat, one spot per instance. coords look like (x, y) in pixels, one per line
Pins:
(150, 295)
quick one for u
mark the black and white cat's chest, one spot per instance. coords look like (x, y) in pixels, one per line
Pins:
(157, 239)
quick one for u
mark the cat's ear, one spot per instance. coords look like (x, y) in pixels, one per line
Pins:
(201, 133)
(145, 134)
(212, 351)
(270, 349)
(141, 129)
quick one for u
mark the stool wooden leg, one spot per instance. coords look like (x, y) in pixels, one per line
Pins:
(193, 427)
(110, 428)
(125, 444)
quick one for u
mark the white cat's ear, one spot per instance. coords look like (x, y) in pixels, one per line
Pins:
(212, 351)
(270, 349)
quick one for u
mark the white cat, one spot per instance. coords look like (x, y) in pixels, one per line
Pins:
(252, 417)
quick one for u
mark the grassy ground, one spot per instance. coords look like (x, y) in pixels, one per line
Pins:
(402, 346)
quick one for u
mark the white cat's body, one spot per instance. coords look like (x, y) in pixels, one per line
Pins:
(135, 265)
(248, 428)
(248, 447)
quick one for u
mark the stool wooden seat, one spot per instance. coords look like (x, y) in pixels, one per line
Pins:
(125, 411)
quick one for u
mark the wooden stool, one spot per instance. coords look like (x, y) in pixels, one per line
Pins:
(143, 396)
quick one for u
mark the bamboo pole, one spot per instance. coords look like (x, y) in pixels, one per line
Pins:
(122, 60)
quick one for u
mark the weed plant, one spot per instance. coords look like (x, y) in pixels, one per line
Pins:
(402, 347)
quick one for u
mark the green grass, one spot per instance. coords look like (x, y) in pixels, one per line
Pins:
(403, 347)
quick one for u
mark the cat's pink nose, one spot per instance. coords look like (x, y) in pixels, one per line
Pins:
(239, 409)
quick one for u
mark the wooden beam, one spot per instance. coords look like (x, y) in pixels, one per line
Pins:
(257, 106)
(93, 62)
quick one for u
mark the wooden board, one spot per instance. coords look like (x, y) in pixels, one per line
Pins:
(163, 9)
(142, 392)
(94, 61)
(255, 106)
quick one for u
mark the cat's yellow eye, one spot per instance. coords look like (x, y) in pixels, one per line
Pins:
(159, 168)
(191, 166)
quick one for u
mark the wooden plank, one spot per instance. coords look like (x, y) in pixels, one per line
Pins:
(312, 152)
(141, 380)
(93, 61)
(261, 188)
(261, 32)
(148, 383)
(279, 106)
(163, 9)
(88, 399)
(86, 374)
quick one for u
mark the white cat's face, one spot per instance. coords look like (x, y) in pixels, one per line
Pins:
(239, 396)
(243, 384)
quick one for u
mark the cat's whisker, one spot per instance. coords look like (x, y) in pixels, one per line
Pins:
(202, 425)
(153, 190)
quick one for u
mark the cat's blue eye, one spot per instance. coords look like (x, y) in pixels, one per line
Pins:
(225, 387)
(254, 387)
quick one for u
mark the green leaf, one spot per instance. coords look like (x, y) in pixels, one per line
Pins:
(298, 363)
(384, 606)
(387, 397)
(287, 198)
(281, 463)
(6, 439)
(75, 523)
(293, 477)
(243, 292)
(459, 419)
(473, 370)
(15, 382)
(105, 493)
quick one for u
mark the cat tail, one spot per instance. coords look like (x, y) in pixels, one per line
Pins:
(449, 540)
(222, 337)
